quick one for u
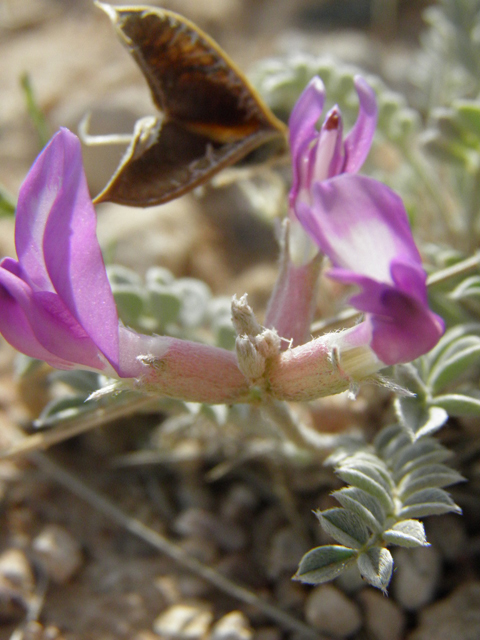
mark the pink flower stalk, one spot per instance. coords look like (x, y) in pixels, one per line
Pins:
(56, 303)
(362, 226)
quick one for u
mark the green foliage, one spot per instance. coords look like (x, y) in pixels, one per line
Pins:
(449, 66)
(7, 203)
(281, 80)
(444, 382)
(34, 111)
(392, 483)
(183, 307)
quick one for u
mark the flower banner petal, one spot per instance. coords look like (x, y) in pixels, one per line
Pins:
(357, 143)
(73, 256)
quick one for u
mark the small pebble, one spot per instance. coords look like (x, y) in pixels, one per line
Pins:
(233, 626)
(448, 535)
(290, 595)
(168, 587)
(183, 622)
(456, 617)
(286, 550)
(59, 553)
(416, 577)
(268, 633)
(35, 631)
(17, 584)
(201, 523)
(383, 617)
(329, 610)
(239, 502)
(201, 548)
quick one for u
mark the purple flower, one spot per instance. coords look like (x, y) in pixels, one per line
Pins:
(362, 226)
(56, 302)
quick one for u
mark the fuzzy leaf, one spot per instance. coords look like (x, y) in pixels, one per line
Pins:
(395, 445)
(408, 533)
(163, 304)
(345, 526)
(387, 436)
(449, 369)
(428, 476)
(324, 563)
(376, 566)
(407, 376)
(364, 505)
(458, 404)
(414, 455)
(130, 301)
(446, 345)
(468, 288)
(428, 502)
(368, 479)
(418, 419)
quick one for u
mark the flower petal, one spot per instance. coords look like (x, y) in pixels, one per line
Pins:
(73, 256)
(358, 142)
(409, 331)
(361, 225)
(37, 324)
(303, 131)
(305, 115)
(66, 236)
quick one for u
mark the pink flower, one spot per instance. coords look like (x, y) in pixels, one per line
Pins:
(362, 226)
(56, 303)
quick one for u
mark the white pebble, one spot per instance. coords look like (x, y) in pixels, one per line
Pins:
(329, 610)
(233, 626)
(383, 617)
(183, 622)
(59, 553)
(17, 584)
(416, 576)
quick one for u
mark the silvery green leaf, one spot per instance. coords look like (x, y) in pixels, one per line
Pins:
(159, 275)
(130, 301)
(448, 369)
(468, 288)
(448, 341)
(433, 456)
(61, 409)
(397, 444)
(418, 419)
(416, 454)
(195, 296)
(428, 502)
(386, 436)
(376, 566)
(458, 404)
(408, 533)
(324, 563)
(164, 304)
(368, 479)
(408, 376)
(345, 526)
(85, 382)
(369, 459)
(428, 476)
(364, 505)
(118, 274)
